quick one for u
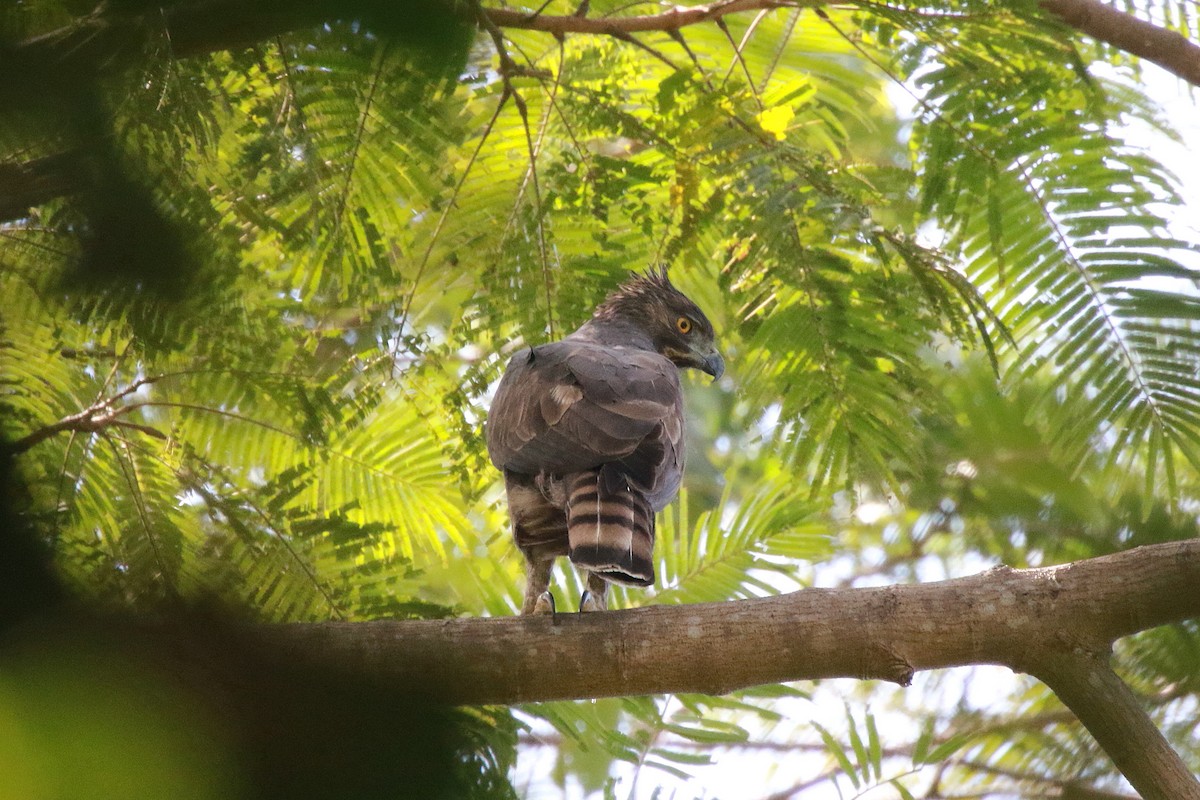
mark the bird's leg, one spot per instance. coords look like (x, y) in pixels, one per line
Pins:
(595, 596)
(538, 599)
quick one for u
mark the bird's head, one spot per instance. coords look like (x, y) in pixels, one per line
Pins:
(676, 325)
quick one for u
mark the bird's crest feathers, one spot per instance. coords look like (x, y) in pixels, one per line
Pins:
(643, 289)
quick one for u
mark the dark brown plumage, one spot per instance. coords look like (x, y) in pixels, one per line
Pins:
(589, 434)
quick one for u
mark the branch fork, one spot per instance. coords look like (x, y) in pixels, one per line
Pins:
(1015, 618)
(104, 413)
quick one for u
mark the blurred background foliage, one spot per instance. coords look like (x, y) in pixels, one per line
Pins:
(250, 324)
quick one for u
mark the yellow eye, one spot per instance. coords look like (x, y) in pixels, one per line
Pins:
(684, 325)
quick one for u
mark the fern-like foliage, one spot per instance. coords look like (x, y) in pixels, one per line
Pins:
(250, 355)
(1061, 227)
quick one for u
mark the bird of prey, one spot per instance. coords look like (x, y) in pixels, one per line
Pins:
(588, 432)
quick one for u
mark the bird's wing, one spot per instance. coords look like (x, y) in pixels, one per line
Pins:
(570, 406)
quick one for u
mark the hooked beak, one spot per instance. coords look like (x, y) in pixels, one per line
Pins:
(706, 360)
(713, 364)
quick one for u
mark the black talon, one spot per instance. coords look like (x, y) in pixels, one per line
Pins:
(544, 604)
(589, 602)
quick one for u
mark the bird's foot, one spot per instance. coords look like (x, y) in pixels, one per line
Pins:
(544, 604)
(590, 601)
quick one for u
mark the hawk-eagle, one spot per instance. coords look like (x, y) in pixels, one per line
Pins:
(589, 434)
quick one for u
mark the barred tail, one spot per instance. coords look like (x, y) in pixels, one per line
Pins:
(610, 527)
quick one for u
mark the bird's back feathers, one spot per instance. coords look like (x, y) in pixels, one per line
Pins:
(570, 406)
(589, 431)
(590, 439)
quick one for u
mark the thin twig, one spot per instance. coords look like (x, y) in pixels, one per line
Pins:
(360, 133)
(451, 203)
(672, 19)
(129, 472)
(737, 55)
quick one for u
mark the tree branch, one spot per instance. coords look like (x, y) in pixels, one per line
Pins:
(1040, 621)
(1002, 616)
(1166, 48)
(1110, 711)
(90, 420)
(93, 419)
(196, 27)
(105, 40)
(674, 18)
(31, 183)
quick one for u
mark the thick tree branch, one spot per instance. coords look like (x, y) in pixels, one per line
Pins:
(1166, 48)
(1110, 711)
(1042, 621)
(1003, 616)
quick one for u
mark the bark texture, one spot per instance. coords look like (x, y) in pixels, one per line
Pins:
(1023, 619)
(1167, 48)
(1056, 623)
(1112, 714)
